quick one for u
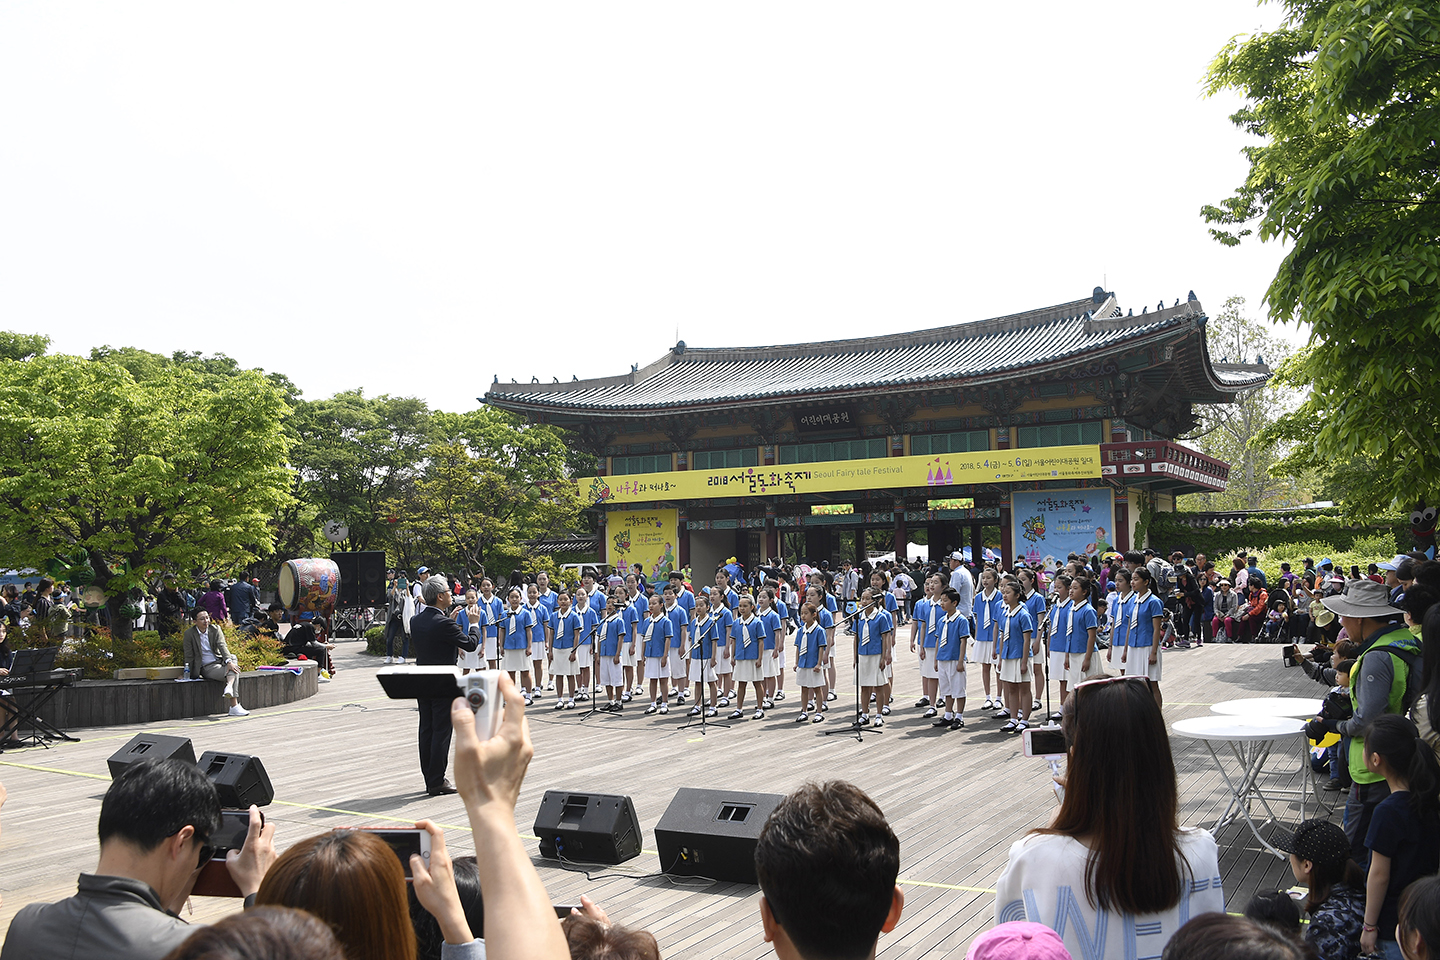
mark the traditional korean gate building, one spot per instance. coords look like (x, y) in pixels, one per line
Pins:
(1057, 425)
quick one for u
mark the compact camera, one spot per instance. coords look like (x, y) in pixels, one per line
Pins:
(481, 690)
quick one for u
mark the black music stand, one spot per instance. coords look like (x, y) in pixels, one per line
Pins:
(36, 665)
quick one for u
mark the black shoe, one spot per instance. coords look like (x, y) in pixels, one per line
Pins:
(957, 724)
(1332, 786)
(942, 722)
(445, 788)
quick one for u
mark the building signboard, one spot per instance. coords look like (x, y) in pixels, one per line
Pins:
(993, 466)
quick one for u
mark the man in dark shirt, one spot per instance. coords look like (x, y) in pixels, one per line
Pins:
(437, 641)
(244, 601)
(169, 609)
(155, 826)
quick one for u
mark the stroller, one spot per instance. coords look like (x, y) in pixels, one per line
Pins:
(1277, 624)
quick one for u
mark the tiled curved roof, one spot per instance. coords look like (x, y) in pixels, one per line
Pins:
(982, 351)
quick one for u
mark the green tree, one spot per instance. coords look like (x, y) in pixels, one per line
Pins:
(489, 482)
(1232, 432)
(356, 453)
(167, 473)
(22, 346)
(1345, 98)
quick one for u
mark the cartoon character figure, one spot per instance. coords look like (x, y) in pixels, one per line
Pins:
(622, 541)
(1422, 528)
(599, 490)
(1034, 528)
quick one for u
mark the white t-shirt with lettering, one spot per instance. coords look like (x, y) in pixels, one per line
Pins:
(1044, 882)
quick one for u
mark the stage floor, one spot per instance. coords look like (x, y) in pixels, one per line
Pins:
(956, 800)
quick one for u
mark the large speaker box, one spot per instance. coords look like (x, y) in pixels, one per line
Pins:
(713, 833)
(587, 827)
(240, 779)
(150, 746)
(362, 578)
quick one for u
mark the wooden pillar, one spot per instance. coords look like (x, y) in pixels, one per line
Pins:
(977, 546)
(902, 536)
(1007, 546)
(859, 557)
(1122, 526)
(600, 541)
(819, 545)
(682, 541)
(772, 535)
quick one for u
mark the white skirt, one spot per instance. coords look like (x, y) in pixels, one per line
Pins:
(1137, 662)
(537, 650)
(769, 664)
(701, 671)
(722, 662)
(583, 656)
(809, 677)
(515, 661)
(612, 674)
(627, 659)
(747, 671)
(1057, 664)
(563, 666)
(982, 651)
(492, 648)
(928, 669)
(470, 660)
(655, 668)
(677, 664)
(1010, 672)
(871, 673)
(952, 679)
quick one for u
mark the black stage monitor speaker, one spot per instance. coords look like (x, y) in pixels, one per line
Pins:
(239, 778)
(150, 746)
(712, 833)
(362, 578)
(587, 827)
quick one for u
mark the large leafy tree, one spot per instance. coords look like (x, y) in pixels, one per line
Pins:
(488, 482)
(1234, 432)
(354, 454)
(173, 471)
(1345, 98)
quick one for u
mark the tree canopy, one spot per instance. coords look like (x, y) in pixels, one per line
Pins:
(1345, 98)
(171, 472)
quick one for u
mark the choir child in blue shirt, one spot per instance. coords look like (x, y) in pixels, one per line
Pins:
(589, 620)
(950, 658)
(874, 646)
(1017, 636)
(1079, 638)
(747, 646)
(1033, 597)
(612, 634)
(679, 618)
(812, 648)
(1120, 617)
(1141, 657)
(815, 594)
(708, 637)
(539, 639)
(924, 622)
(770, 662)
(655, 633)
(515, 626)
(566, 625)
(491, 609)
(988, 605)
(637, 608)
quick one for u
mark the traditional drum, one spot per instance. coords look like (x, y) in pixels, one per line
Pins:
(309, 585)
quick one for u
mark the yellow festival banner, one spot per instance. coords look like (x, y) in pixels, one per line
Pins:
(646, 537)
(993, 466)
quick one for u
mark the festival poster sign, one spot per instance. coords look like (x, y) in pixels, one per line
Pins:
(646, 537)
(994, 466)
(1049, 525)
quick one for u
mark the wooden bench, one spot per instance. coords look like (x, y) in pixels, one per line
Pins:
(107, 703)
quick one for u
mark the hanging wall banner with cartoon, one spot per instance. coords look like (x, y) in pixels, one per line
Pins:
(1050, 525)
(646, 537)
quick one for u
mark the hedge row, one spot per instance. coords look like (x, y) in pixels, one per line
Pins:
(1168, 532)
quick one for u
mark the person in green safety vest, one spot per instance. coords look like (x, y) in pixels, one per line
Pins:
(1379, 682)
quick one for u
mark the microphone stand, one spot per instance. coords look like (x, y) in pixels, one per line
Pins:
(696, 650)
(855, 727)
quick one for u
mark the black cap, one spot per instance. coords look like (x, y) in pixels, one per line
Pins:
(1318, 840)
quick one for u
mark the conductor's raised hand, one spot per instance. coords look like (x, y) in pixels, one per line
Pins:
(488, 773)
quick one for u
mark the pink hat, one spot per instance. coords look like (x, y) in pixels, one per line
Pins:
(1019, 940)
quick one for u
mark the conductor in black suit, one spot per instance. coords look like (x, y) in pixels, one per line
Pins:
(437, 641)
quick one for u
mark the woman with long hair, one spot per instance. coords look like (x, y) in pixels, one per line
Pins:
(1114, 873)
(353, 881)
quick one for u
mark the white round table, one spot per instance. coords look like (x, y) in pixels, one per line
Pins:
(1268, 707)
(1251, 739)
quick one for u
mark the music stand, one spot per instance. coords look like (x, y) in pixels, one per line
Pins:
(36, 662)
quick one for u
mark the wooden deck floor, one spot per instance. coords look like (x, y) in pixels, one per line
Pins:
(956, 800)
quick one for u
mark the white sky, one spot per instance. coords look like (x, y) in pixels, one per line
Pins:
(413, 198)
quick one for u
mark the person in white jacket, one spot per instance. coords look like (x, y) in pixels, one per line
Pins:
(1114, 874)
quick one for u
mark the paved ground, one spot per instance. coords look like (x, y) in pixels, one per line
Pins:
(956, 800)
